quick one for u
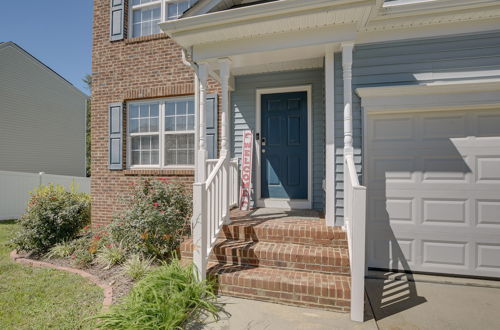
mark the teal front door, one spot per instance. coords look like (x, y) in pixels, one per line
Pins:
(284, 155)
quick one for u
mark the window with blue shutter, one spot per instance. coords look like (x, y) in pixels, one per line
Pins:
(115, 136)
(211, 128)
(117, 17)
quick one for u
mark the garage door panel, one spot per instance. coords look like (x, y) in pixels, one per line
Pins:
(488, 257)
(488, 213)
(446, 212)
(445, 254)
(434, 192)
(488, 169)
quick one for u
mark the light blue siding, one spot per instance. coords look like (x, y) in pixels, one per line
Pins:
(412, 62)
(243, 115)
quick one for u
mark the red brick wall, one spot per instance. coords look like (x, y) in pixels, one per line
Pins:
(130, 69)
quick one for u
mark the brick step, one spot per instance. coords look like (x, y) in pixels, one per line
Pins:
(296, 231)
(306, 289)
(277, 255)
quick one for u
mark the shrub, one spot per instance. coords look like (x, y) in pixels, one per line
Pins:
(111, 255)
(165, 299)
(137, 266)
(53, 215)
(156, 220)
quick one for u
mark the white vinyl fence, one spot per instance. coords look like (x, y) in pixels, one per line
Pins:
(15, 188)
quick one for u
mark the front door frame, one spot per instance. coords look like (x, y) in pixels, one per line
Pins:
(284, 203)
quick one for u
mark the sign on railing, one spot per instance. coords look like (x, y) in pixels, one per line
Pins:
(246, 170)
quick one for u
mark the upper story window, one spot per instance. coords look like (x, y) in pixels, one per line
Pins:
(146, 14)
(161, 133)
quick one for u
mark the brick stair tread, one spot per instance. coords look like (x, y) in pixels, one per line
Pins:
(279, 255)
(299, 231)
(326, 291)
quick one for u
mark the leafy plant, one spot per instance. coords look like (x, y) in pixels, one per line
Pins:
(54, 215)
(156, 220)
(61, 250)
(111, 255)
(165, 299)
(137, 266)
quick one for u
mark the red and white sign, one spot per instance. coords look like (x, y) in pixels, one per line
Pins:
(246, 170)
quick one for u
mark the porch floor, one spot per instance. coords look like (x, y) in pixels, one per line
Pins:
(265, 214)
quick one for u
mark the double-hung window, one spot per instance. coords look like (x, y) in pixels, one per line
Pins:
(146, 14)
(161, 133)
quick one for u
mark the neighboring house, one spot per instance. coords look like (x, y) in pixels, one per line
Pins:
(402, 95)
(42, 126)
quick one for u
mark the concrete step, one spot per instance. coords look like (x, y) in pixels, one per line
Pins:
(299, 288)
(295, 231)
(323, 259)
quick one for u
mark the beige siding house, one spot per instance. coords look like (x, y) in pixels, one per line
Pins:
(42, 117)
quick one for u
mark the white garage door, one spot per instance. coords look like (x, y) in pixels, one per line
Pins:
(434, 191)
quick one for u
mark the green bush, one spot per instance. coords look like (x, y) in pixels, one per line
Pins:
(156, 219)
(165, 299)
(53, 215)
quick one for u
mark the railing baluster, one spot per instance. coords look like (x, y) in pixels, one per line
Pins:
(212, 200)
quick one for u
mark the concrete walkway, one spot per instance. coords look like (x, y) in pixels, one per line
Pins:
(401, 301)
(398, 301)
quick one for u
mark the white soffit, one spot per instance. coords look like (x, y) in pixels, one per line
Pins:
(431, 97)
(265, 19)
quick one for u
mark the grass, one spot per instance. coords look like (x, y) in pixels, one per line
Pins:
(37, 298)
(166, 298)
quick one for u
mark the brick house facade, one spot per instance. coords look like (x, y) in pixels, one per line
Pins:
(140, 68)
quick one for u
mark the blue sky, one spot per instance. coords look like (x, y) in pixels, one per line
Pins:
(57, 32)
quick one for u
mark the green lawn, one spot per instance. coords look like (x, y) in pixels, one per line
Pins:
(35, 298)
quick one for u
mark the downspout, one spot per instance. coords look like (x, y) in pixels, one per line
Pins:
(186, 59)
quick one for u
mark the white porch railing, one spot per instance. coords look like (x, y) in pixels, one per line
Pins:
(234, 177)
(213, 200)
(355, 223)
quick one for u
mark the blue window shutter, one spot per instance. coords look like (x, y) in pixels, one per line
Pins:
(117, 17)
(212, 122)
(115, 136)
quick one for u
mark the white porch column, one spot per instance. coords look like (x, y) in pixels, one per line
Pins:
(196, 124)
(202, 101)
(330, 137)
(347, 69)
(225, 67)
(199, 220)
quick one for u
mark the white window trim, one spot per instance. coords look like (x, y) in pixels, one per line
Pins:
(163, 6)
(161, 132)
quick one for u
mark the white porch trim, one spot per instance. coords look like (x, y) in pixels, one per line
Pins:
(329, 185)
(284, 203)
(462, 95)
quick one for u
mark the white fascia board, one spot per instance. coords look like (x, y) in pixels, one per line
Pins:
(287, 40)
(478, 94)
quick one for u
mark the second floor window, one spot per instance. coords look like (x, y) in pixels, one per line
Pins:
(147, 14)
